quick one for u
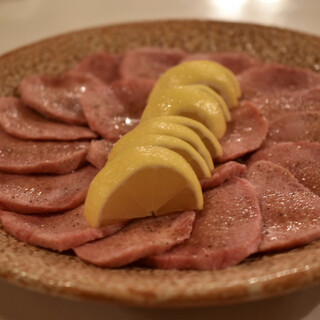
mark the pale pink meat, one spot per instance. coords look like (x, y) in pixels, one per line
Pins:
(302, 159)
(58, 97)
(98, 152)
(21, 156)
(290, 212)
(149, 63)
(22, 122)
(102, 65)
(44, 193)
(222, 173)
(140, 238)
(245, 133)
(228, 230)
(58, 231)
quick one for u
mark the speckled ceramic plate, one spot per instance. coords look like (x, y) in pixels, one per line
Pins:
(64, 274)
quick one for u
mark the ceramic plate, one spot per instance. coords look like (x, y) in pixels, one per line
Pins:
(64, 274)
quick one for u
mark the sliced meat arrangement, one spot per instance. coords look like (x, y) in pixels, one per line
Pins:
(20, 156)
(279, 105)
(140, 238)
(245, 133)
(58, 97)
(57, 231)
(296, 126)
(109, 111)
(102, 65)
(271, 79)
(98, 152)
(222, 236)
(302, 159)
(290, 212)
(237, 62)
(223, 173)
(149, 63)
(22, 122)
(44, 193)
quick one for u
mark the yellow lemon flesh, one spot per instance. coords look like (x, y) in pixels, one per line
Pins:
(183, 148)
(209, 73)
(208, 138)
(161, 127)
(141, 182)
(193, 101)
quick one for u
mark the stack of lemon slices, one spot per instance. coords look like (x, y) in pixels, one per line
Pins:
(156, 168)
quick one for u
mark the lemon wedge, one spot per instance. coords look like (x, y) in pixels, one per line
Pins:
(141, 182)
(183, 148)
(205, 72)
(160, 126)
(208, 138)
(193, 101)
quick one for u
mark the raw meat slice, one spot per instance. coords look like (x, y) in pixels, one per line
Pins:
(228, 230)
(245, 133)
(302, 159)
(58, 97)
(98, 152)
(138, 239)
(290, 212)
(22, 122)
(237, 62)
(296, 126)
(44, 193)
(102, 65)
(271, 79)
(223, 173)
(57, 231)
(278, 105)
(20, 156)
(149, 63)
(107, 114)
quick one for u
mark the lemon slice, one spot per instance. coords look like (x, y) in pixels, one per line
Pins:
(204, 72)
(183, 148)
(159, 126)
(208, 138)
(191, 101)
(143, 181)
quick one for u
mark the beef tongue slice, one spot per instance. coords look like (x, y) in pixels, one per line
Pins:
(302, 159)
(290, 212)
(228, 230)
(140, 238)
(44, 193)
(58, 231)
(98, 152)
(22, 122)
(20, 156)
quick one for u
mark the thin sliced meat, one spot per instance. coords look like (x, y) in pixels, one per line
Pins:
(223, 173)
(133, 93)
(271, 79)
(149, 63)
(302, 159)
(279, 105)
(44, 193)
(98, 152)
(58, 97)
(20, 156)
(112, 111)
(290, 212)
(57, 231)
(228, 230)
(102, 65)
(22, 122)
(138, 239)
(245, 133)
(296, 126)
(237, 62)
